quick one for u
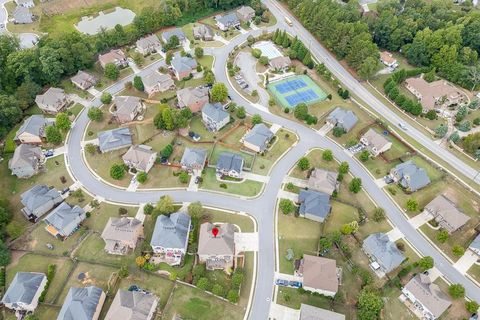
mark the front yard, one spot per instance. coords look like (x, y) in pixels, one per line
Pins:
(247, 188)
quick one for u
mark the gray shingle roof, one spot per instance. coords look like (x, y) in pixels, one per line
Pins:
(22, 14)
(26, 157)
(314, 203)
(84, 79)
(171, 232)
(383, 250)
(308, 312)
(34, 125)
(202, 31)
(446, 213)
(228, 161)
(345, 119)
(148, 41)
(215, 112)
(194, 157)
(411, 176)
(131, 305)
(80, 303)
(66, 218)
(39, 196)
(475, 243)
(114, 139)
(429, 294)
(51, 97)
(23, 287)
(228, 19)
(174, 32)
(259, 136)
(221, 244)
(183, 64)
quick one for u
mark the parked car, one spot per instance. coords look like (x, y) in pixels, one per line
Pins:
(295, 284)
(197, 179)
(65, 190)
(281, 282)
(48, 153)
(388, 179)
(402, 125)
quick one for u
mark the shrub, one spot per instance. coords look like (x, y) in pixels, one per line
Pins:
(379, 214)
(138, 83)
(183, 177)
(257, 53)
(223, 185)
(458, 251)
(303, 164)
(355, 185)
(286, 206)
(364, 155)
(106, 98)
(148, 209)
(123, 272)
(431, 115)
(327, 155)
(263, 60)
(442, 236)
(290, 186)
(456, 291)
(95, 114)
(338, 131)
(218, 290)
(117, 171)
(122, 211)
(202, 283)
(412, 205)
(91, 148)
(471, 306)
(301, 111)
(142, 177)
(232, 296)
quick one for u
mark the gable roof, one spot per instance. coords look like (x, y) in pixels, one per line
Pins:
(24, 156)
(323, 180)
(22, 14)
(131, 305)
(112, 56)
(446, 213)
(387, 57)
(171, 232)
(215, 112)
(84, 78)
(202, 30)
(65, 217)
(154, 77)
(228, 161)
(39, 195)
(314, 203)
(115, 138)
(433, 91)
(343, 118)
(174, 32)
(190, 95)
(429, 294)
(139, 156)
(34, 125)
(183, 64)
(121, 229)
(319, 273)
(308, 312)
(280, 62)
(80, 303)
(222, 244)
(24, 287)
(375, 139)
(51, 97)
(245, 11)
(412, 176)
(148, 41)
(228, 19)
(194, 157)
(383, 250)
(126, 104)
(259, 136)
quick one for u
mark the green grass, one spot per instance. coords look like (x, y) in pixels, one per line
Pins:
(474, 271)
(247, 157)
(101, 163)
(244, 222)
(206, 61)
(310, 84)
(99, 217)
(161, 176)
(70, 88)
(197, 126)
(75, 110)
(263, 163)
(394, 309)
(93, 250)
(38, 263)
(247, 188)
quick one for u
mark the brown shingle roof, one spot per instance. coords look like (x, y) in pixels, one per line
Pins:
(319, 273)
(221, 244)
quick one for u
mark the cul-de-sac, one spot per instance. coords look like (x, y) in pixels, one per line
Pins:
(239, 159)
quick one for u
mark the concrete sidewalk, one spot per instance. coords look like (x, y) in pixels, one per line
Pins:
(466, 261)
(140, 215)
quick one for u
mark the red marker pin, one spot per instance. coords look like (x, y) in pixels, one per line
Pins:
(214, 231)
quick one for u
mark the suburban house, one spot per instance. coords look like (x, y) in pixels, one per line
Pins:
(318, 274)
(245, 13)
(82, 304)
(375, 142)
(25, 3)
(308, 312)
(114, 139)
(383, 252)
(193, 160)
(216, 246)
(132, 305)
(24, 291)
(388, 59)
(52, 101)
(64, 220)
(409, 176)
(314, 205)
(323, 180)
(214, 116)
(83, 80)
(425, 298)
(257, 138)
(32, 130)
(140, 157)
(435, 95)
(183, 66)
(193, 98)
(121, 234)
(227, 21)
(229, 164)
(203, 32)
(27, 161)
(475, 245)
(170, 238)
(22, 15)
(157, 82)
(127, 108)
(149, 44)
(446, 213)
(342, 118)
(280, 63)
(115, 56)
(166, 35)
(38, 200)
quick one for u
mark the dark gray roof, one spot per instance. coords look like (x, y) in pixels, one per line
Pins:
(114, 139)
(228, 161)
(35, 125)
(23, 287)
(194, 157)
(228, 19)
(345, 119)
(65, 218)
(25, 156)
(314, 203)
(80, 303)
(171, 232)
(183, 64)
(412, 176)
(383, 250)
(131, 305)
(259, 136)
(38, 196)
(22, 14)
(215, 112)
(174, 32)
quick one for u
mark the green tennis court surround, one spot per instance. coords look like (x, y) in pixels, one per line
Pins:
(291, 91)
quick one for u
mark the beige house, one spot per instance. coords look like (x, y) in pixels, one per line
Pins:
(83, 80)
(203, 32)
(308, 312)
(435, 95)
(157, 82)
(132, 305)
(280, 63)
(323, 180)
(149, 44)
(27, 161)
(32, 130)
(115, 56)
(193, 98)
(121, 235)
(245, 13)
(446, 213)
(127, 108)
(375, 142)
(52, 101)
(319, 274)
(388, 59)
(140, 157)
(216, 246)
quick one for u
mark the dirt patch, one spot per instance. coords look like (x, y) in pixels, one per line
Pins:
(15, 257)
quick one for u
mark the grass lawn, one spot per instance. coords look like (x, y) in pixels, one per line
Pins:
(162, 176)
(75, 110)
(474, 271)
(37, 263)
(210, 44)
(93, 250)
(151, 282)
(243, 222)
(411, 255)
(197, 126)
(247, 188)
(102, 162)
(206, 61)
(99, 217)
(247, 279)
(394, 309)
(193, 303)
(457, 309)
(263, 163)
(107, 123)
(70, 88)
(316, 161)
(104, 82)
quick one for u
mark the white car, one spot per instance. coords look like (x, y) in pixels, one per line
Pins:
(403, 126)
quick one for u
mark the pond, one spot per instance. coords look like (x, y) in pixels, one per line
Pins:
(107, 21)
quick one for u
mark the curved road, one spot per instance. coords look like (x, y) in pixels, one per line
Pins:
(263, 207)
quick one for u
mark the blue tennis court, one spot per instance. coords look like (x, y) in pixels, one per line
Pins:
(290, 85)
(291, 91)
(303, 96)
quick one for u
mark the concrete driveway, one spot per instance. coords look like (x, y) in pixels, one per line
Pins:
(246, 241)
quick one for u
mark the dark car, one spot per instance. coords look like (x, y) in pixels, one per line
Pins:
(280, 282)
(295, 284)
(65, 190)
(197, 180)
